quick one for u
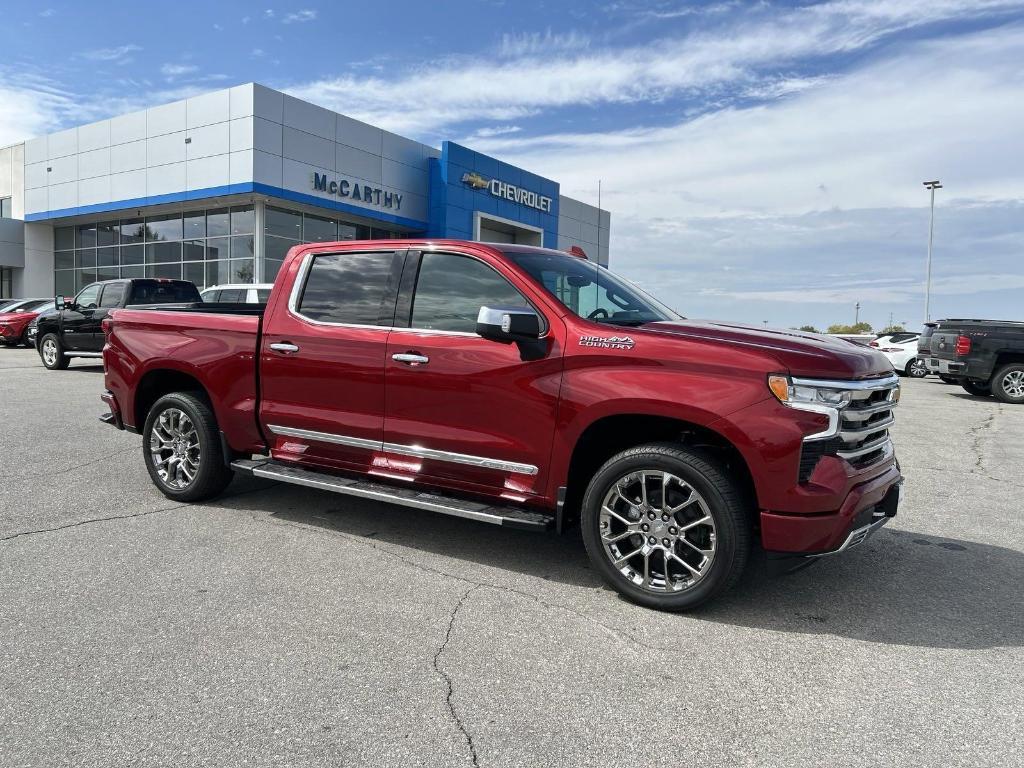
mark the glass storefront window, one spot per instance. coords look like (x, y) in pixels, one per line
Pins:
(106, 257)
(243, 221)
(243, 247)
(107, 233)
(85, 257)
(64, 282)
(133, 254)
(195, 225)
(64, 238)
(283, 223)
(132, 231)
(217, 222)
(167, 271)
(218, 248)
(167, 227)
(319, 230)
(218, 272)
(270, 269)
(85, 236)
(161, 253)
(134, 271)
(194, 272)
(276, 247)
(64, 260)
(193, 250)
(242, 270)
(347, 232)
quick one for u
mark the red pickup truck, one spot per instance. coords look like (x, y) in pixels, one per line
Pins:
(524, 387)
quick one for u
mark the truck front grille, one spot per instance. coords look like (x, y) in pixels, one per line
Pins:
(862, 433)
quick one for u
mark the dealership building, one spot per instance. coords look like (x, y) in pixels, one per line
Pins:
(216, 189)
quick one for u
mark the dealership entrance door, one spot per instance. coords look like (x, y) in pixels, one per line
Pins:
(488, 228)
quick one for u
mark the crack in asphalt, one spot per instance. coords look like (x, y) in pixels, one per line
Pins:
(71, 468)
(977, 433)
(613, 632)
(113, 518)
(448, 680)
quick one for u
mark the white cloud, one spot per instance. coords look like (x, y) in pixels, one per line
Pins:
(118, 53)
(299, 17)
(519, 45)
(172, 71)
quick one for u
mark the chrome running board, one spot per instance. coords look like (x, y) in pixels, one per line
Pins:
(507, 516)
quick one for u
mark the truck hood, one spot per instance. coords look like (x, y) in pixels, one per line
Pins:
(802, 354)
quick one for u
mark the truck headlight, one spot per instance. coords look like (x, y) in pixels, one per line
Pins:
(795, 395)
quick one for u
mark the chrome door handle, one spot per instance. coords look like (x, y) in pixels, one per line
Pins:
(284, 346)
(411, 359)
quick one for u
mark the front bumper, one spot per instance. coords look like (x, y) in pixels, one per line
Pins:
(866, 508)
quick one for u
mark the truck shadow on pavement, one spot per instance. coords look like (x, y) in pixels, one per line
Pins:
(899, 588)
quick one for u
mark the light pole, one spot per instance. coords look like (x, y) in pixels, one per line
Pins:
(932, 186)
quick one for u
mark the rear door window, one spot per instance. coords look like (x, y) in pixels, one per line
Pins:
(350, 289)
(232, 295)
(113, 293)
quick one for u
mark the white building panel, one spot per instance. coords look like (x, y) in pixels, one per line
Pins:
(94, 136)
(240, 98)
(403, 150)
(208, 141)
(308, 148)
(165, 179)
(240, 167)
(94, 191)
(62, 170)
(35, 150)
(130, 127)
(94, 163)
(63, 196)
(208, 109)
(208, 172)
(162, 150)
(168, 118)
(267, 136)
(35, 175)
(267, 168)
(356, 162)
(299, 177)
(360, 135)
(308, 118)
(240, 134)
(403, 177)
(129, 185)
(267, 103)
(37, 200)
(128, 157)
(62, 143)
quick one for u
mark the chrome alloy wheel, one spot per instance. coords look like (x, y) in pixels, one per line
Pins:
(658, 531)
(50, 352)
(1013, 384)
(918, 369)
(174, 448)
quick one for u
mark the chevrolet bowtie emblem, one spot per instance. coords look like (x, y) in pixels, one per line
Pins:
(475, 180)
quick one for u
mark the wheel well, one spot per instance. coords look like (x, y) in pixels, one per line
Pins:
(1005, 358)
(612, 434)
(156, 384)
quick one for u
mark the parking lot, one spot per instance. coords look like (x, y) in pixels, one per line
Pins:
(285, 626)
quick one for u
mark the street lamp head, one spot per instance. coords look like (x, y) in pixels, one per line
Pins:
(932, 184)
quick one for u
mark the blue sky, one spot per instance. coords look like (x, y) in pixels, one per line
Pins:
(762, 160)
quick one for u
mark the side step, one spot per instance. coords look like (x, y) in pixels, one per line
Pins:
(508, 516)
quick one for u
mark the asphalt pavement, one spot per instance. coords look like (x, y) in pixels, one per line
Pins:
(280, 626)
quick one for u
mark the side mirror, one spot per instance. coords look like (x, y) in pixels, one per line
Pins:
(61, 302)
(508, 324)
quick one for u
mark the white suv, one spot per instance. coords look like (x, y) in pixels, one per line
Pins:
(238, 293)
(901, 349)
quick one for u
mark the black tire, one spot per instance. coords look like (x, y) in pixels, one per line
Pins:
(948, 379)
(916, 369)
(58, 361)
(212, 475)
(725, 505)
(1006, 384)
(978, 390)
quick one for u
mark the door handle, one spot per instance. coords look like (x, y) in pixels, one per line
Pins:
(410, 358)
(284, 346)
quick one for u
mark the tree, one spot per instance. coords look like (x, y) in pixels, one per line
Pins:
(889, 330)
(808, 329)
(859, 328)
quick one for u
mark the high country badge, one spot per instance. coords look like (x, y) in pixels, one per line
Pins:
(607, 342)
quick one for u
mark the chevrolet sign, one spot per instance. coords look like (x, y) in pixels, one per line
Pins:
(508, 191)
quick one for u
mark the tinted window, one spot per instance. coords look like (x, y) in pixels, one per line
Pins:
(87, 298)
(263, 295)
(112, 295)
(232, 294)
(347, 288)
(211, 296)
(153, 292)
(451, 289)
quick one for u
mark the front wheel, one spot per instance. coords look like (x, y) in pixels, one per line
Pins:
(978, 390)
(916, 369)
(1008, 383)
(182, 449)
(52, 353)
(666, 526)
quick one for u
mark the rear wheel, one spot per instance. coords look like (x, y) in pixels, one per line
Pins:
(979, 390)
(916, 368)
(1008, 383)
(665, 526)
(52, 353)
(182, 449)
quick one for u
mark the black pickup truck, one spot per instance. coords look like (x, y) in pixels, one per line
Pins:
(75, 329)
(986, 357)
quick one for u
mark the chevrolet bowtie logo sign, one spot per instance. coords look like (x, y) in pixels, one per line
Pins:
(475, 180)
(508, 191)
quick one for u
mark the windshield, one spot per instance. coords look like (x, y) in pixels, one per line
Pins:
(164, 292)
(591, 291)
